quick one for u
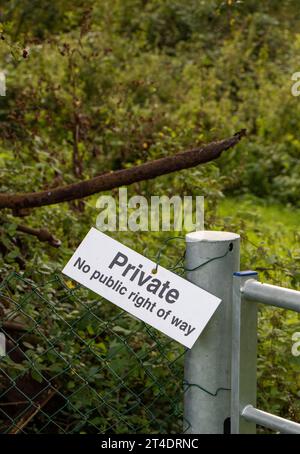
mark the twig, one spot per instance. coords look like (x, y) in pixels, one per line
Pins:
(41, 234)
(14, 326)
(31, 413)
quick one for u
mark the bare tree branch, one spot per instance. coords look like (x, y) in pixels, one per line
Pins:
(110, 180)
(41, 234)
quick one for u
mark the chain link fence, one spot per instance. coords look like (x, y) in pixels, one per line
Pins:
(75, 363)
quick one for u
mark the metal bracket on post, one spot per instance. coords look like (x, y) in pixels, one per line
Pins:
(211, 259)
(244, 354)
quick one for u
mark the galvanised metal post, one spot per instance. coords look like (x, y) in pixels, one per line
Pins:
(244, 353)
(211, 259)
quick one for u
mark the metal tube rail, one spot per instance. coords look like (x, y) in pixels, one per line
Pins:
(247, 292)
(270, 421)
(271, 294)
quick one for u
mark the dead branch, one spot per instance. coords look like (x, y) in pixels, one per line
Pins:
(34, 409)
(42, 235)
(111, 180)
(14, 326)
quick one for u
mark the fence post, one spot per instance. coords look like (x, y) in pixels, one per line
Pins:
(208, 363)
(244, 354)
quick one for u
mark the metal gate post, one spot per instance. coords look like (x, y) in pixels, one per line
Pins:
(208, 363)
(244, 354)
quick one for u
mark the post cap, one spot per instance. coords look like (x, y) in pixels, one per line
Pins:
(210, 235)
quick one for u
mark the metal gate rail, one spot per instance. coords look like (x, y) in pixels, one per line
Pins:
(247, 292)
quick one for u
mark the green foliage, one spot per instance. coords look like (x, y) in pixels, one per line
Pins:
(139, 79)
(270, 245)
(94, 86)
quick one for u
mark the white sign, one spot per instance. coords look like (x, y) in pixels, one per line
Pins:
(166, 301)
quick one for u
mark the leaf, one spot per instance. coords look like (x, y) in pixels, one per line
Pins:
(36, 376)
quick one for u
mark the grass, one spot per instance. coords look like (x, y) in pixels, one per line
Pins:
(261, 215)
